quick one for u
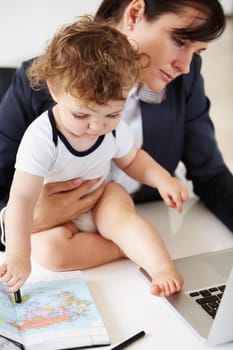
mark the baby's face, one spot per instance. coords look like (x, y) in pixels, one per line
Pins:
(89, 120)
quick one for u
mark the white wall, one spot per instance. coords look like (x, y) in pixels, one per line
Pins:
(228, 6)
(25, 25)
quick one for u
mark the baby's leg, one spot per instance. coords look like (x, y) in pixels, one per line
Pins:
(117, 220)
(63, 248)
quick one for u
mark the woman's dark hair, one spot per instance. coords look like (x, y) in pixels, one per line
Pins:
(207, 30)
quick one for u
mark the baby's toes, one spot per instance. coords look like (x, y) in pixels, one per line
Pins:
(2, 273)
(161, 290)
(179, 283)
(168, 288)
(3, 270)
(156, 290)
(171, 288)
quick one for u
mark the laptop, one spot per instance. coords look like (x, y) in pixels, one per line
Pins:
(206, 300)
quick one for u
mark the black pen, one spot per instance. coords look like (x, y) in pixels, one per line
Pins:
(129, 341)
(17, 296)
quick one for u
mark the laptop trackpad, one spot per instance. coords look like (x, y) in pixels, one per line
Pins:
(222, 263)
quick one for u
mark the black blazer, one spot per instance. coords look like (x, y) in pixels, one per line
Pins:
(6, 74)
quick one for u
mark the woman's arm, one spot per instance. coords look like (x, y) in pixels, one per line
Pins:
(212, 180)
(216, 192)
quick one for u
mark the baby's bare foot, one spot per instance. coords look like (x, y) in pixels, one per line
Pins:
(166, 282)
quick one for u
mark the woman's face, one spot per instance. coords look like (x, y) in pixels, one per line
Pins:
(170, 56)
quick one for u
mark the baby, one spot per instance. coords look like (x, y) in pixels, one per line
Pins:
(88, 68)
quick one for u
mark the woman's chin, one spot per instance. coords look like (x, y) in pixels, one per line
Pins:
(156, 86)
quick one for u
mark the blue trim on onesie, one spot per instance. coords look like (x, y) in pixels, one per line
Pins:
(57, 133)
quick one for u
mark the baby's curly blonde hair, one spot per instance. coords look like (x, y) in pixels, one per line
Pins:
(90, 60)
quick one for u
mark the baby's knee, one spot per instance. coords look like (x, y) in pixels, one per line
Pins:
(116, 204)
(51, 252)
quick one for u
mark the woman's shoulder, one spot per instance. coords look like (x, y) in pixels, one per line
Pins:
(37, 100)
(20, 77)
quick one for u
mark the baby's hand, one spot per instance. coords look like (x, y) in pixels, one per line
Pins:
(14, 271)
(174, 193)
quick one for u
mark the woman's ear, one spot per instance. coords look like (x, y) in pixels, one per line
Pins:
(135, 12)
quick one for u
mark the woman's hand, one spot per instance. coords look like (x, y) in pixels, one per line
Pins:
(61, 202)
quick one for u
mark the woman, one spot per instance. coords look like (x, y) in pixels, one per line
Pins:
(169, 116)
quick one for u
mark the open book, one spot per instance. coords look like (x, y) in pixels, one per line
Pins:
(57, 314)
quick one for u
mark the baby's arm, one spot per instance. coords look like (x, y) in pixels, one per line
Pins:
(24, 193)
(142, 167)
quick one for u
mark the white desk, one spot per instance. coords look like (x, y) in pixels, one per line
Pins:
(122, 295)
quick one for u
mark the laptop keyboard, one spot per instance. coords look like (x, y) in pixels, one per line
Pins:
(209, 299)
